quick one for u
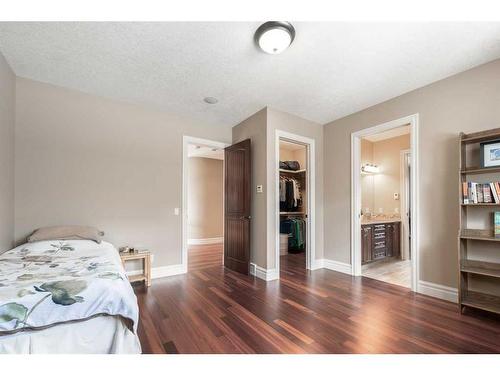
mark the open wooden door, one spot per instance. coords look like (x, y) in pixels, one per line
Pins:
(237, 207)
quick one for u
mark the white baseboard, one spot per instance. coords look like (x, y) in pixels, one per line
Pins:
(165, 271)
(205, 241)
(317, 264)
(439, 291)
(262, 273)
(334, 265)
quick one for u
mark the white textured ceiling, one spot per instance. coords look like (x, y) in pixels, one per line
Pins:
(331, 69)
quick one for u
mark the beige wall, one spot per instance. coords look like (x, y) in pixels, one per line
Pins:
(465, 102)
(378, 189)
(261, 129)
(254, 128)
(205, 198)
(7, 121)
(387, 155)
(83, 159)
(366, 180)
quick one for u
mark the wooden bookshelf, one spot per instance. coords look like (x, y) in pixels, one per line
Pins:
(478, 235)
(479, 204)
(480, 170)
(469, 238)
(482, 301)
(479, 267)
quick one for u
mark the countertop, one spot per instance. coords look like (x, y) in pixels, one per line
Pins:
(380, 221)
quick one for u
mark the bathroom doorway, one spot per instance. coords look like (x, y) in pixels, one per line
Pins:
(383, 201)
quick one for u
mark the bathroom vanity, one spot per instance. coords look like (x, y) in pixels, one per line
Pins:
(380, 239)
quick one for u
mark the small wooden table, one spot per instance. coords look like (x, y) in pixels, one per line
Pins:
(145, 255)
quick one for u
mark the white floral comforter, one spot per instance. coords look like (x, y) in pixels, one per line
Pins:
(50, 282)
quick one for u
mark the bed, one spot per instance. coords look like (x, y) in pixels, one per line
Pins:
(66, 296)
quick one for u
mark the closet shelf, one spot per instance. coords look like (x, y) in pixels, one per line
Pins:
(294, 172)
(292, 213)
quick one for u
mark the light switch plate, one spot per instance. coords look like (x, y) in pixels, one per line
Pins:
(259, 189)
(396, 196)
(176, 211)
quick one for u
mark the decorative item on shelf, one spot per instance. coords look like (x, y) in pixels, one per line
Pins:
(127, 249)
(490, 153)
(496, 223)
(369, 169)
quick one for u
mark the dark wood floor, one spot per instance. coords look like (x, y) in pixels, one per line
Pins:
(213, 310)
(204, 256)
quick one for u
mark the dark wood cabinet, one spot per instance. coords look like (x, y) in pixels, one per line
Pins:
(366, 242)
(379, 241)
(389, 232)
(396, 252)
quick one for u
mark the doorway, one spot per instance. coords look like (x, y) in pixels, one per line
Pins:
(203, 204)
(384, 209)
(294, 202)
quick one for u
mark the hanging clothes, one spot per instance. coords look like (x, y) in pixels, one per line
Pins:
(290, 195)
(296, 230)
(282, 190)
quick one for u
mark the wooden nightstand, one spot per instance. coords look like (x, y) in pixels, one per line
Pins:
(145, 255)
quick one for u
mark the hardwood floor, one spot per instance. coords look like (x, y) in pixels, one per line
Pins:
(204, 256)
(213, 310)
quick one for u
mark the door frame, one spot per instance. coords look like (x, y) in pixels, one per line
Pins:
(310, 191)
(186, 140)
(413, 121)
(403, 173)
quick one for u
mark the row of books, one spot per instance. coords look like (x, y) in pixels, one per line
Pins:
(474, 192)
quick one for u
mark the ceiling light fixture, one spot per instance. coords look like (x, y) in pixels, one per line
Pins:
(274, 37)
(210, 100)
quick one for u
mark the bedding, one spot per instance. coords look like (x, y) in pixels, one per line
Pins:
(47, 283)
(102, 334)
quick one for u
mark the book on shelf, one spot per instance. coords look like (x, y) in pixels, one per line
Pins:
(496, 222)
(494, 192)
(479, 193)
(487, 193)
(475, 192)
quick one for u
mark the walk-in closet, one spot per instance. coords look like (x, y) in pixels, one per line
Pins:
(293, 202)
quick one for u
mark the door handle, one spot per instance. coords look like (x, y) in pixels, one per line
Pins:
(246, 217)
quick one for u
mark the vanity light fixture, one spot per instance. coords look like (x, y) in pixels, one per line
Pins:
(369, 169)
(274, 37)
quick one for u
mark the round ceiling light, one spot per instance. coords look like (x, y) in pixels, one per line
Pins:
(274, 37)
(210, 100)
